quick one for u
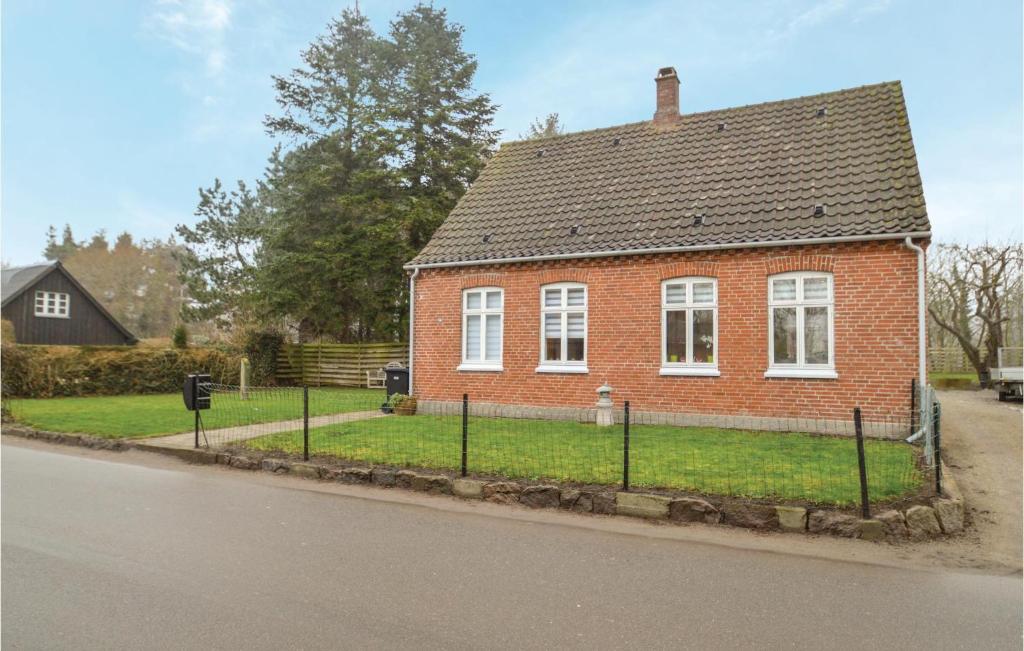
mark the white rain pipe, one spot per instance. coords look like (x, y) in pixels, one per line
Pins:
(922, 371)
(412, 321)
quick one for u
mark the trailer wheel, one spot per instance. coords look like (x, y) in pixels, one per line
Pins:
(1003, 396)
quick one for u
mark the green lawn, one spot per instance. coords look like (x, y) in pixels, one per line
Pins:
(149, 415)
(705, 460)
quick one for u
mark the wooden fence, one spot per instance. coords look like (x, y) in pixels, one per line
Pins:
(948, 360)
(336, 364)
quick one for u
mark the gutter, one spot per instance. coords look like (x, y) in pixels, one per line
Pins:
(922, 371)
(673, 249)
(412, 322)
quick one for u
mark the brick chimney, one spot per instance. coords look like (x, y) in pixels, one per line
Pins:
(668, 96)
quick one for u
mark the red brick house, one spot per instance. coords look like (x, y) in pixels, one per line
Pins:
(743, 266)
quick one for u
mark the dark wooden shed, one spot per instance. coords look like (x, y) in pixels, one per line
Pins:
(48, 306)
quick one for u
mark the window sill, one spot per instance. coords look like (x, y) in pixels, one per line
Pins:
(488, 368)
(52, 316)
(698, 371)
(561, 368)
(806, 373)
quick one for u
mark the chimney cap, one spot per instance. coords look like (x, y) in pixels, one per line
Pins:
(667, 71)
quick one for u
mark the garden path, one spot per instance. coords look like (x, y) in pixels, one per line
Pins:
(218, 437)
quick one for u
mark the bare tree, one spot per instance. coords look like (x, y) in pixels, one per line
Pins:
(974, 294)
(544, 128)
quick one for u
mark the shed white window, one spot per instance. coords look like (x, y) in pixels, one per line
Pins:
(482, 316)
(563, 326)
(55, 305)
(689, 326)
(800, 329)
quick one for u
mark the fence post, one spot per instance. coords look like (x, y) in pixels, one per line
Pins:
(465, 429)
(195, 391)
(913, 402)
(243, 379)
(625, 447)
(937, 418)
(865, 507)
(305, 423)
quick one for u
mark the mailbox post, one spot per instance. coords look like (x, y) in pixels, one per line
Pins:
(196, 394)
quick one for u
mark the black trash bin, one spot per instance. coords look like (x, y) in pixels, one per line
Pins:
(396, 380)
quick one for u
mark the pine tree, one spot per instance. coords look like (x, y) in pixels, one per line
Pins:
(443, 128)
(217, 258)
(61, 250)
(332, 258)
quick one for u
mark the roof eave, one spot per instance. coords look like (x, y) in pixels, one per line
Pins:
(673, 249)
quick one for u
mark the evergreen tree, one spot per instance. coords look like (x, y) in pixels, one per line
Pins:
(442, 127)
(60, 250)
(218, 257)
(328, 255)
(383, 138)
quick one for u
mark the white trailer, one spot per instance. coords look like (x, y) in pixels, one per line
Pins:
(1008, 378)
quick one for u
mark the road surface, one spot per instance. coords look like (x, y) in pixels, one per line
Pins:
(106, 551)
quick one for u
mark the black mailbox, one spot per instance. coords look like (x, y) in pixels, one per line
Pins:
(196, 392)
(396, 380)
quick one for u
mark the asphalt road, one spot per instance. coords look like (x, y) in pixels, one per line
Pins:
(102, 553)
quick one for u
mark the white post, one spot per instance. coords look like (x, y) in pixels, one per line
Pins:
(244, 382)
(605, 417)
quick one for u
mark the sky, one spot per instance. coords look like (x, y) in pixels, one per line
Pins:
(115, 113)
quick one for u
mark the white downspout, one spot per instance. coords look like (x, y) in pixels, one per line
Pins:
(412, 321)
(922, 371)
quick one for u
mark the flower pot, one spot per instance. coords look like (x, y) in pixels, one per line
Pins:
(406, 408)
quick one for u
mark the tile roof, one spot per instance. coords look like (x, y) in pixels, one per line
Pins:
(755, 172)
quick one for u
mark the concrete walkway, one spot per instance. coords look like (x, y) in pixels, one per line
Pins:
(219, 437)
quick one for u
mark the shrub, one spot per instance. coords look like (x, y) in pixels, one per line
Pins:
(262, 348)
(6, 332)
(179, 338)
(58, 371)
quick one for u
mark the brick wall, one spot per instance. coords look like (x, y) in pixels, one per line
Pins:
(875, 333)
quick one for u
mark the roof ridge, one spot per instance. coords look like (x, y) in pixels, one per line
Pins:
(894, 82)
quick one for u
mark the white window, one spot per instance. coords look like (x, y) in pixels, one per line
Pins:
(482, 316)
(563, 328)
(56, 305)
(689, 326)
(800, 332)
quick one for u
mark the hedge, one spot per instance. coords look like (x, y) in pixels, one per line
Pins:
(58, 371)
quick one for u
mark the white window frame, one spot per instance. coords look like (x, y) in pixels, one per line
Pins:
(563, 365)
(483, 312)
(61, 308)
(687, 367)
(801, 369)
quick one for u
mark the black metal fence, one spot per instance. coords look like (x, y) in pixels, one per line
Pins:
(860, 460)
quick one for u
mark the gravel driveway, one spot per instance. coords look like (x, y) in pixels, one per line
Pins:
(981, 441)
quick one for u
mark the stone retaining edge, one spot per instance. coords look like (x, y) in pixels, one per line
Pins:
(944, 516)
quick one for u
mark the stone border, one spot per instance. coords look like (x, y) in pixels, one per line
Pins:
(81, 440)
(942, 516)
